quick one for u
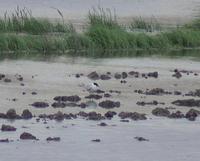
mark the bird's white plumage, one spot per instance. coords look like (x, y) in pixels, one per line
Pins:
(91, 87)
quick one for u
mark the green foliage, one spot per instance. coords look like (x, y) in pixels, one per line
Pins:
(99, 16)
(140, 24)
(183, 38)
(23, 32)
(23, 21)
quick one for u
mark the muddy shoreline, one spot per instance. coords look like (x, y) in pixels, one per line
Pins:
(41, 101)
(128, 84)
(89, 109)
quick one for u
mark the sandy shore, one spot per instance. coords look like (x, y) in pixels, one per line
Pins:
(167, 139)
(57, 78)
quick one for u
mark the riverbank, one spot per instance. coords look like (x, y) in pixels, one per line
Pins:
(142, 94)
(21, 32)
(60, 82)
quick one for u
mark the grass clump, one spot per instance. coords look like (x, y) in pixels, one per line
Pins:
(107, 38)
(75, 42)
(194, 25)
(23, 32)
(104, 30)
(44, 43)
(102, 17)
(22, 21)
(183, 38)
(140, 24)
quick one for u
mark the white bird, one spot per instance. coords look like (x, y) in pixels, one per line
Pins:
(92, 87)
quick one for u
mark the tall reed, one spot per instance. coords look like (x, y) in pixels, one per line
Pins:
(21, 20)
(23, 32)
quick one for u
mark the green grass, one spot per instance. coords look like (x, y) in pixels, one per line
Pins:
(107, 38)
(22, 21)
(140, 24)
(195, 24)
(104, 17)
(21, 32)
(106, 33)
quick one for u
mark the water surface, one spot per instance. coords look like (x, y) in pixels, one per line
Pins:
(169, 140)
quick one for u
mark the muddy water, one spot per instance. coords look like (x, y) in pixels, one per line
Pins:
(167, 10)
(169, 140)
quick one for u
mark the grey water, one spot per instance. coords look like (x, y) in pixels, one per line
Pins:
(169, 140)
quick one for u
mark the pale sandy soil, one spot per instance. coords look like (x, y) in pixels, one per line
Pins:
(169, 139)
(57, 78)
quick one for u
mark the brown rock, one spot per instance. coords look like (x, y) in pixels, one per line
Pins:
(105, 77)
(94, 96)
(96, 140)
(176, 115)
(141, 139)
(192, 114)
(11, 114)
(58, 105)
(4, 141)
(124, 75)
(110, 114)
(132, 115)
(26, 114)
(161, 112)
(53, 139)
(187, 102)
(27, 136)
(118, 76)
(109, 104)
(7, 80)
(74, 98)
(93, 75)
(40, 104)
(8, 128)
